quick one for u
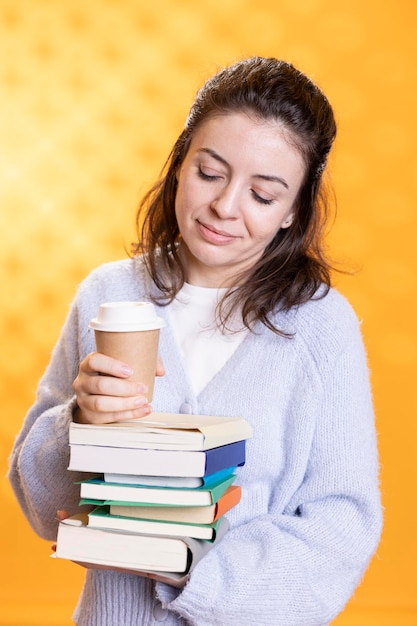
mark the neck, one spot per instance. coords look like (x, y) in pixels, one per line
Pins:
(200, 275)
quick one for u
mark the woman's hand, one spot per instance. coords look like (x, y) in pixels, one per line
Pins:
(104, 393)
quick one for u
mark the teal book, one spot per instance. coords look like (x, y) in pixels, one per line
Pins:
(99, 492)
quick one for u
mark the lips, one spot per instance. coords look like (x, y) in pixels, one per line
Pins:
(214, 235)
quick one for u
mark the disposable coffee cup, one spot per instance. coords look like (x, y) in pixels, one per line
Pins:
(129, 332)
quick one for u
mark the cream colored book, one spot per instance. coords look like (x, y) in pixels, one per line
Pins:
(78, 542)
(164, 431)
(191, 514)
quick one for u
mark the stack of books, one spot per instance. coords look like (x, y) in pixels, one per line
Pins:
(162, 488)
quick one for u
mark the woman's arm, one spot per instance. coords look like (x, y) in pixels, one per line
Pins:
(38, 464)
(70, 387)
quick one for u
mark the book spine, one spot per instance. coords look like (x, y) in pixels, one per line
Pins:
(225, 456)
(230, 499)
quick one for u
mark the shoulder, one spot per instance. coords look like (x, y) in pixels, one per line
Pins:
(115, 280)
(110, 282)
(324, 327)
(327, 313)
(124, 269)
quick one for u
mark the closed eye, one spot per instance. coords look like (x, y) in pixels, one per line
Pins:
(209, 177)
(261, 199)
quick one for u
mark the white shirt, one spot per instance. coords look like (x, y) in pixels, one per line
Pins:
(204, 346)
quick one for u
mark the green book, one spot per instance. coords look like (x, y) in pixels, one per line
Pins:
(100, 517)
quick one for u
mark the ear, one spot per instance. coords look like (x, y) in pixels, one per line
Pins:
(288, 221)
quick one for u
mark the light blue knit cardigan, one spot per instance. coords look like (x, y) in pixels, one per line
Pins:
(310, 515)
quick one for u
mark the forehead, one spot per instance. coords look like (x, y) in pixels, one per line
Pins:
(237, 135)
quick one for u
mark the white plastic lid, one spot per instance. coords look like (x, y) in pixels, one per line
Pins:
(126, 316)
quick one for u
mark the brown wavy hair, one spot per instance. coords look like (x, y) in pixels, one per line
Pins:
(293, 268)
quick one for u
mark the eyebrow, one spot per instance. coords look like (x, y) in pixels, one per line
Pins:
(273, 179)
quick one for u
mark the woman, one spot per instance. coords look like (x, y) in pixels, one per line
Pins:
(230, 251)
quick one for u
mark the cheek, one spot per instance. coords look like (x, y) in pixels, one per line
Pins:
(179, 214)
(180, 201)
(263, 228)
(184, 207)
(188, 198)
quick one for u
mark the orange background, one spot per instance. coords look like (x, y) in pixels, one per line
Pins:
(92, 96)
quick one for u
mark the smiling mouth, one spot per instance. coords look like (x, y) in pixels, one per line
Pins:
(215, 232)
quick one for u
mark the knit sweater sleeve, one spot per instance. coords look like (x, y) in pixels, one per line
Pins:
(299, 564)
(38, 463)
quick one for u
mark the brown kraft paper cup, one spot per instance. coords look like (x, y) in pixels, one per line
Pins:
(139, 349)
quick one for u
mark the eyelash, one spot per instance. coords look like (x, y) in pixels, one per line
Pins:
(261, 200)
(256, 196)
(205, 176)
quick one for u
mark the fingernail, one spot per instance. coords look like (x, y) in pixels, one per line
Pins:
(127, 371)
(141, 401)
(142, 388)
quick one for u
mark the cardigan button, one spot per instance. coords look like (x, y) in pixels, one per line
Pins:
(159, 613)
(186, 408)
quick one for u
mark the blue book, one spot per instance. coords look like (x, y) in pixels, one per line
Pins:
(197, 463)
(169, 481)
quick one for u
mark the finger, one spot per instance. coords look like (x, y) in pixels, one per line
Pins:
(113, 404)
(116, 410)
(160, 370)
(111, 418)
(110, 386)
(97, 363)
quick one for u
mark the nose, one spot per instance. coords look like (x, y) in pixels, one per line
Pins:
(226, 201)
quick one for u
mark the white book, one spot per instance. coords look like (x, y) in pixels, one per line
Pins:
(78, 542)
(154, 481)
(194, 463)
(163, 431)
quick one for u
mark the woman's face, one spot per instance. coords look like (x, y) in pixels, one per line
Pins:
(236, 188)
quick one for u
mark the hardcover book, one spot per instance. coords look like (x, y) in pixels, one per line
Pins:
(191, 514)
(78, 542)
(196, 463)
(163, 431)
(101, 517)
(168, 481)
(103, 492)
